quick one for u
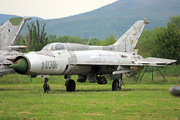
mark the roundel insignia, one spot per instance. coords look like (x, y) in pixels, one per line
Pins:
(131, 41)
(6, 37)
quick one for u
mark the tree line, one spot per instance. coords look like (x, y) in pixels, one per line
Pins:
(163, 42)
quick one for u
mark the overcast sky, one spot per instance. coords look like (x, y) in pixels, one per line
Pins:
(50, 9)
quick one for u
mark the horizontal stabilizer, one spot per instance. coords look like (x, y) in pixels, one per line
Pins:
(151, 61)
(17, 47)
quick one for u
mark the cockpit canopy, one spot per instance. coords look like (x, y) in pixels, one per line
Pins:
(65, 46)
(54, 47)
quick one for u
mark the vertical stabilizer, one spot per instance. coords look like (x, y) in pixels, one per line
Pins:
(10, 30)
(128, 41)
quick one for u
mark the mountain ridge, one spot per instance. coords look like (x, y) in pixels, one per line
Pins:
(118, 16)
(115, 18)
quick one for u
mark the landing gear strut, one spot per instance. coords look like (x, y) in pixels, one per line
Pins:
(70, 84)
(46, 86)
(117, 83)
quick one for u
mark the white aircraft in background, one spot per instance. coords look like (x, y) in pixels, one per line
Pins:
(9, 32)
(89, 62)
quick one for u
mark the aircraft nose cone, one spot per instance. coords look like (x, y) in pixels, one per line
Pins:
(20, 65)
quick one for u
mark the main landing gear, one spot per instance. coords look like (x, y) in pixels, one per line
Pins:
(117, 83)
(101, 79)
(70, 84)
(46, 86)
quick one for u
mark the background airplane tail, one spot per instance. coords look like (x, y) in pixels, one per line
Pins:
(128, 41)
(10, 30)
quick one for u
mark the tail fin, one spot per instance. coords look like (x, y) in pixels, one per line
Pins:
(10, 30)
(128, 41)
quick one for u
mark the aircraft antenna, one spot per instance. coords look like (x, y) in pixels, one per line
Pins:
(25, 36)
(89, 40)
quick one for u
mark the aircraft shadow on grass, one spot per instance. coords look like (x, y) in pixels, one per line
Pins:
(110, 90)
(104, 90)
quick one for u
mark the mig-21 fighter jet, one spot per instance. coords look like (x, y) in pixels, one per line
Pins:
(89, 62)
(9, 32)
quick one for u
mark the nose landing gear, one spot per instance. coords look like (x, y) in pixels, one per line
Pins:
(46, 86)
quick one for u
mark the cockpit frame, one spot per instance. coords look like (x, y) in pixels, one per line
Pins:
(55, 47)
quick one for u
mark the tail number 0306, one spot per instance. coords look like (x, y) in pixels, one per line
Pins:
(49, 65)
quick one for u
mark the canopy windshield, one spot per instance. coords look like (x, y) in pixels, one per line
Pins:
(54, 47)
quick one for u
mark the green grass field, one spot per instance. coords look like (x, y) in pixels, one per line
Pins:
(25, 100)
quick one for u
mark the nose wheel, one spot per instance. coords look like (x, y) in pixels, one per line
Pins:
(46, 86)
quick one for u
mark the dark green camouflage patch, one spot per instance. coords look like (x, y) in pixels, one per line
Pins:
(16, 20)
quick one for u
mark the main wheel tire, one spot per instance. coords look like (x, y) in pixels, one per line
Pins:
(70, 86)
(115, 85)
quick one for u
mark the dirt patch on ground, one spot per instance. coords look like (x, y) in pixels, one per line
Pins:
(2, 112)
(98, 114)
(24, 112)
(2, 103)
(98, 102)
(36, 105)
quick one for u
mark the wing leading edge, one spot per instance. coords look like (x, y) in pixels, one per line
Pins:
(128, 68)
(150, 61)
